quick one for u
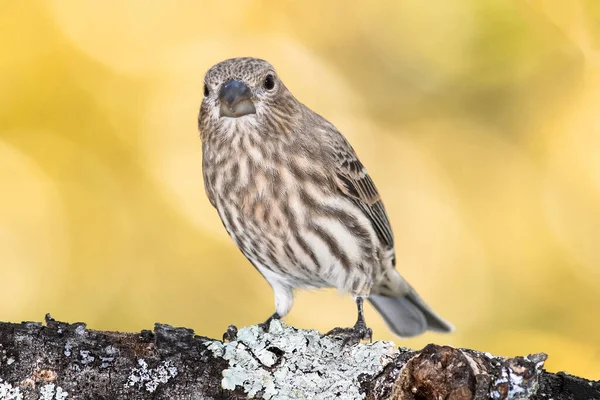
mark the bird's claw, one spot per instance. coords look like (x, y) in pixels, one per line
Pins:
(231, 333)
(265, 325)
(352, 335)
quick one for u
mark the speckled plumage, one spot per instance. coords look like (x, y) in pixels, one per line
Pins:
(292, 193)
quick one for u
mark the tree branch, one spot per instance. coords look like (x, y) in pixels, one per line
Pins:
(63, 361)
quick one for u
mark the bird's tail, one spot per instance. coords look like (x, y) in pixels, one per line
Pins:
(408, 315)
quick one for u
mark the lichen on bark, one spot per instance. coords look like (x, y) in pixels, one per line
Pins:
(61, 361)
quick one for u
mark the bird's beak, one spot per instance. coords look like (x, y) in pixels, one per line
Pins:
(236, 100)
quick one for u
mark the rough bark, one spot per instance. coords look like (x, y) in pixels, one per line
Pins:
(67, 361)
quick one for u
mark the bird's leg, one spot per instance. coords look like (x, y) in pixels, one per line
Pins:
(232, 330)
(265, 325)
(358, 332)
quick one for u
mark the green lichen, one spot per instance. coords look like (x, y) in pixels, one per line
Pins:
(287, 363)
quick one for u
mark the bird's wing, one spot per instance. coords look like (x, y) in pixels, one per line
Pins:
(354, 182)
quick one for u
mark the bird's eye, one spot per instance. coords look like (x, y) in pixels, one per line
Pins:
(205, 90)
(269, 82)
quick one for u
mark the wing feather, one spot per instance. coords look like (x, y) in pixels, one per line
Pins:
(354, 181)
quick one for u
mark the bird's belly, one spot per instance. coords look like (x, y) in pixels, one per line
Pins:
(304, 248)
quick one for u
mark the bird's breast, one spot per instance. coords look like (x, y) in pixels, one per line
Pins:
(251, 195)
(285, 215)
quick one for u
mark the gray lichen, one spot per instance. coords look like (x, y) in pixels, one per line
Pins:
(287, 363)
(8, 392)
(68, 348)
(86, 358)
(47, 392)
(52, 392)
(150, 378)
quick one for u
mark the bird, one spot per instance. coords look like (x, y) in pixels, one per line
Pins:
(297, 201)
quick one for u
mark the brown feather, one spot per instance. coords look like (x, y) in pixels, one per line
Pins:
(354, 181)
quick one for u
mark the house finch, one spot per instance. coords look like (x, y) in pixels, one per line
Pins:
(297, 201)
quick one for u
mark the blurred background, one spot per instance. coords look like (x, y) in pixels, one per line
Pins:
(479, 121)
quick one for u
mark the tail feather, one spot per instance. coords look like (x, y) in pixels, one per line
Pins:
(408, 315)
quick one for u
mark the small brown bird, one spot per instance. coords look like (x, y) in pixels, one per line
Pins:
(297, 201)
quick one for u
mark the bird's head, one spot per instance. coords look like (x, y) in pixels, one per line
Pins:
(243, 93)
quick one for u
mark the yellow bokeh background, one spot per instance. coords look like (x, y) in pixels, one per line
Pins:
(479, 120)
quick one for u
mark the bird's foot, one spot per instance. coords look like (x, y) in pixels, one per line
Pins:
(231, 333)
(353, 335)
(267, 324)
(232, 330)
